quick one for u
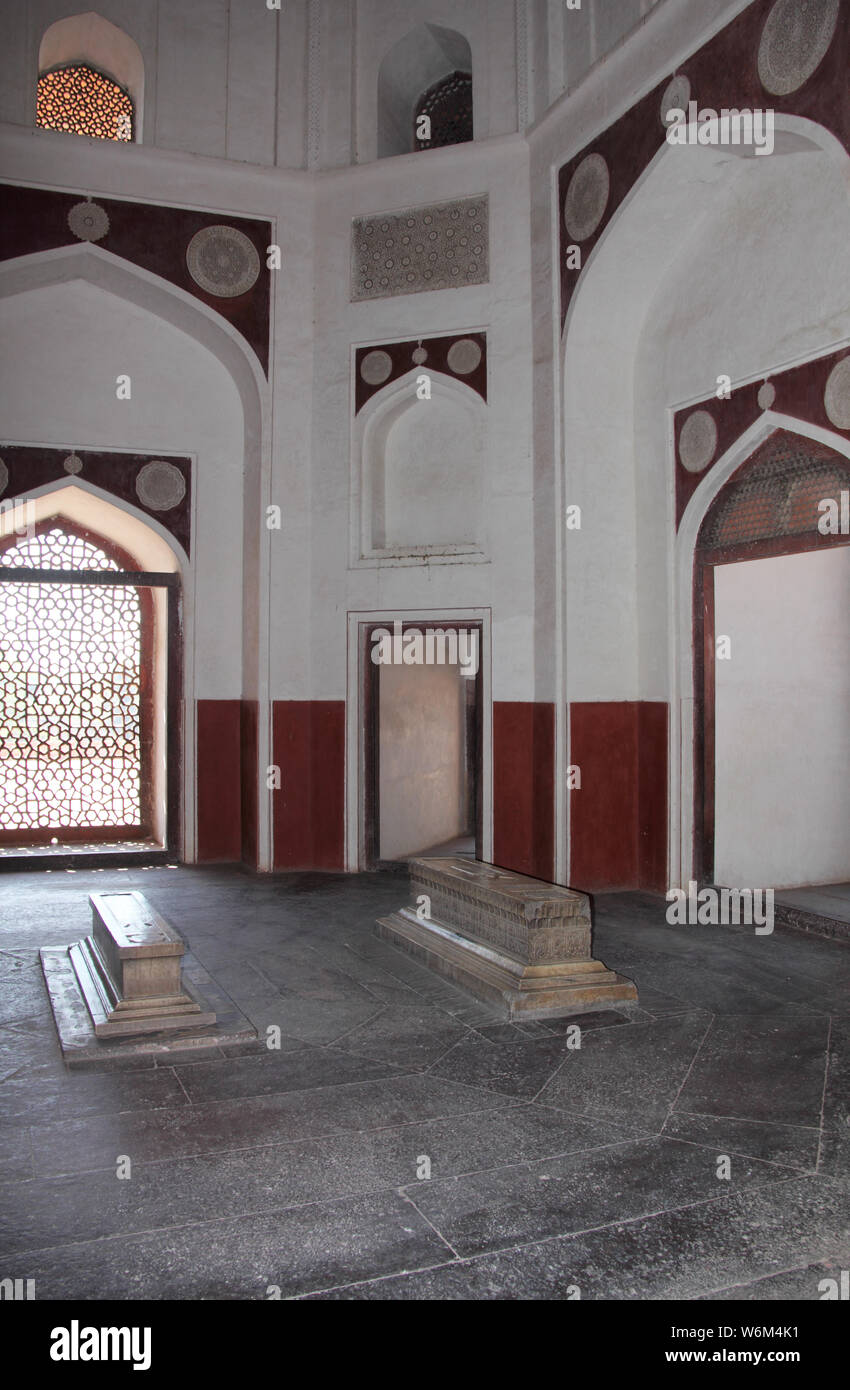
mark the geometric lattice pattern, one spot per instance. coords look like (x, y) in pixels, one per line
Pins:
(70, 693)
(776, 496)
(449, 105)
(84, 102)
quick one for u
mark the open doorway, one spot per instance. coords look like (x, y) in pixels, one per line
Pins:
(423, 741)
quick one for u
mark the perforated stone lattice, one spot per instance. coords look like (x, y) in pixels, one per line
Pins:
(70, 692)
(778, 496)
(448, 104)
(424, 248)
(81, 101)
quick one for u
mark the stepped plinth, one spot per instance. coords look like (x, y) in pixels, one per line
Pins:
(129, 970)
(131, 989)
(509, 939)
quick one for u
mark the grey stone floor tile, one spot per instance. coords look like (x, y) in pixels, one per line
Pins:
(408, 1036)
(370, 1087)
(800, 1285)
(760, 1069)
(24, 995)
(169, 1193)
(294, 1251)
(16, 1155)
(277, 1072)
(511, 1206)
(519, 1069)
(795, 1147)
(669, 1256)
(51, 1093)
(630, 1075)
(251, 1122)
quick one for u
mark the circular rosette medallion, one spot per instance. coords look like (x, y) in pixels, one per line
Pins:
(794, 41)
(223, 261)
(376, 367)
(464, 356)
(676, 96)
(837, 395)
(88, 221)
(160, 486)
(587, 197)
(698, 441)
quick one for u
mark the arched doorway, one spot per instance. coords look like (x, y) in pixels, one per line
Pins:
(89, 695)
(771, 688)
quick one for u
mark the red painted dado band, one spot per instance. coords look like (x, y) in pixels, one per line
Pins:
(618, 817)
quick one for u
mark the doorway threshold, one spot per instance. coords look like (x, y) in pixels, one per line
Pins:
(84, 854)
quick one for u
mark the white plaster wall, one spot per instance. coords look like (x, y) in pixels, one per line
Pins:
(782, 790)
(505, 582)
(297, 87)
(62, 349)
(422, 757)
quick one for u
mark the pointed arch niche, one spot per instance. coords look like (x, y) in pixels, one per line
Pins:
(418, 478)
(415, 68)
(91, 676)
(67, 309)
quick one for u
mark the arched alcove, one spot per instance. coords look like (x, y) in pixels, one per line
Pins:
(698, 262)
(414, 66)
(417, 473)
(92, 40)
(753, 521)
(79, 316)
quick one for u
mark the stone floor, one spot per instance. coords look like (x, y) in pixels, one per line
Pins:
(551, 1167)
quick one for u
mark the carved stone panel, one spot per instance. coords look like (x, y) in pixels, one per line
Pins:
(424, 248)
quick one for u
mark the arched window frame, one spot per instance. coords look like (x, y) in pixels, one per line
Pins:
(423, 58)
(159, 598)
(91, 41)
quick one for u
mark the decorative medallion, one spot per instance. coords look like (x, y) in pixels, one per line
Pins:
(160, 485)
(4, 477)
(766, 395)
(223, 261)
(88, 221)
(676, 96)
(464, 356)
(698, 441)
(72, 463)
(587, 197)
(836, 397)
(794, 40)
(420, 355)
(422, 248)
(376, 367)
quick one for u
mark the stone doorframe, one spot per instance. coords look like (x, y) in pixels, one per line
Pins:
(355, 719)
